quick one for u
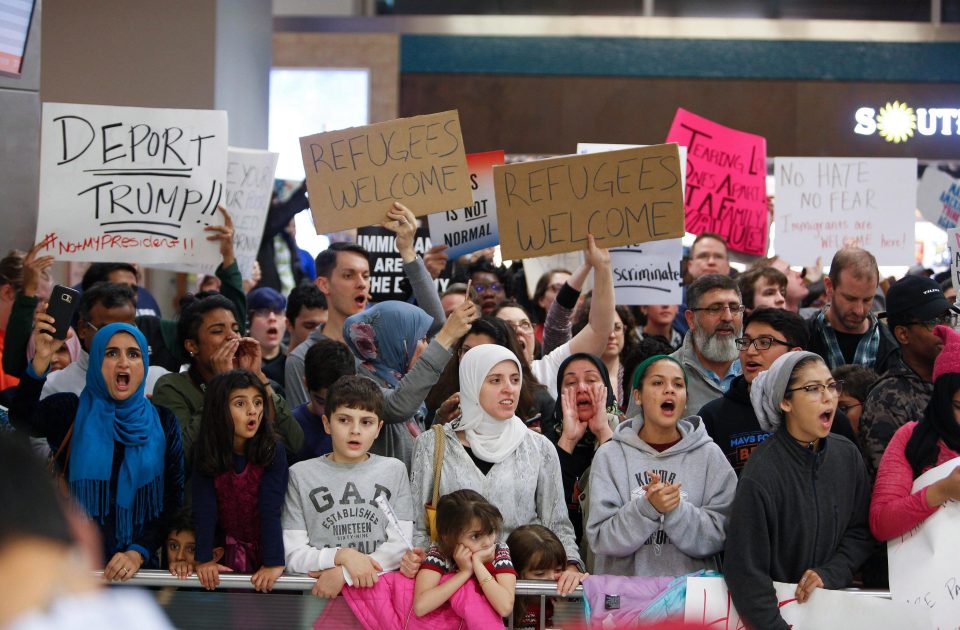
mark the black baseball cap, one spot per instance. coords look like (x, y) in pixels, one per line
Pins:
(915, 297)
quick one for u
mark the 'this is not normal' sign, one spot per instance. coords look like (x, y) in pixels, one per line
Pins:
(130, 184)
(621, 197)
(354, 175)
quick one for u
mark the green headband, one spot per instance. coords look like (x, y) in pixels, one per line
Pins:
(642, 368)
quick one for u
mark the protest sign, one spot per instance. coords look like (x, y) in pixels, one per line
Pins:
(726, 187)
(247, 198)
(649, 273)
(938, 198)
(708, 604)
(386, 266)
(825, 204)
(923, 562)
(474, 227)
(130, 184)
(533, 268)
(953, 242)
(621, 197)
(355, 174)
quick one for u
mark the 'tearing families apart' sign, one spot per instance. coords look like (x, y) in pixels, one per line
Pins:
(726, 190)
(354, 175)
(130, 184)
(621, 197)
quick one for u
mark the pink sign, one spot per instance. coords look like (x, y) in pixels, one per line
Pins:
(726, 182)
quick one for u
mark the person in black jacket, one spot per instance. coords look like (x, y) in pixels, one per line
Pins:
(800, 515)
(278, 218)
(121, 455)
(730, 420)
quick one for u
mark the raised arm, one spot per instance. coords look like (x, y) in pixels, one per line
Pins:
(402, 222)
(557, 327)
(593, 338)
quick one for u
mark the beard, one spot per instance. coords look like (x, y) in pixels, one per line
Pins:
(717, 348)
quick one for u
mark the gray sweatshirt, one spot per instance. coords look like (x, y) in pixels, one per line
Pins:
(330, 505)
(526, 486)
(627, 534)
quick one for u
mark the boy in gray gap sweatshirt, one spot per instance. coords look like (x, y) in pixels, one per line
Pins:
(627, 534)
(332, 526)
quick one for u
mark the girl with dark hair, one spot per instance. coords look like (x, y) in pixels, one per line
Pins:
(534, 401)
(209, 333)
(917, 447)
(467, 530)
(239, 481)
(537, 554)
(120, 454)
(800, 513)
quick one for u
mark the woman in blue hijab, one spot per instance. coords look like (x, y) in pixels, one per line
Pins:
(120, 455)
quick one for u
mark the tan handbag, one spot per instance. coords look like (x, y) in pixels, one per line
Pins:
(431, 508)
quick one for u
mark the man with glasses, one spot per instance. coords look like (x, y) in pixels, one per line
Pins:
(709, 351)
(915, 305)
(846, 331)
(730, 420)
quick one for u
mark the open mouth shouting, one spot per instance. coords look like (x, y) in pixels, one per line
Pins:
(121, 381)
(584, 403)
(668, 408)
(753, 366)
(252, 425)
(826, 419)
(361, 300)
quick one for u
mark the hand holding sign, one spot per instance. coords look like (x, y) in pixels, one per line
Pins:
(402, 222)
(224, 235)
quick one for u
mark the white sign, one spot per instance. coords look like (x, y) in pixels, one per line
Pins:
(533, 268)
(953, 241)
(250, 175)
(648, 273)
(130, 184)
(923, 562)
(470, 229)
(938, 198)
(708, 604)
(825, 204)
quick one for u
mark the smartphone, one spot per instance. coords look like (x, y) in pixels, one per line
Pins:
(63, 304)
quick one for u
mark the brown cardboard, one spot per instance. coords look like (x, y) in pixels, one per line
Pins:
(621, 197)
(355, 174)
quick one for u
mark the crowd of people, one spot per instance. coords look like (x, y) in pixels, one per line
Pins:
(440, 448)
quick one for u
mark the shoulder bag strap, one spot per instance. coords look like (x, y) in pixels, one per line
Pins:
(438, 447)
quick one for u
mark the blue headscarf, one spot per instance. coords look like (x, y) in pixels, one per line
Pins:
(385, 336)
(100, 421)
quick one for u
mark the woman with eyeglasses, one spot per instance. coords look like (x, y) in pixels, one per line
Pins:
(800, 513)
(917, 447)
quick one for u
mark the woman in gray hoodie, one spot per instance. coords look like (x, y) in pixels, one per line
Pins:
(660, 490)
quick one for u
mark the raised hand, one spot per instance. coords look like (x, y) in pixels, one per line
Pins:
(598, 424)
(572, 430)
(458, 323)
(46, 346)
(35, 267)
(597, 257)
(224, 235)
(401, 221)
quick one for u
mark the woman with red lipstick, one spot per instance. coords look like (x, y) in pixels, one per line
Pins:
(121, 455)
(800, 514)
(239, 482)
(660, 489)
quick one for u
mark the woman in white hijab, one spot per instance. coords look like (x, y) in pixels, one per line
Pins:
(489, 450)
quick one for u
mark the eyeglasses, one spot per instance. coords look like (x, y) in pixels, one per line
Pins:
(265, 312)
(716, 309)
(618, 328)
(760, 343)
(523, 325)
(846, 408)
(483, 288)
(816, 389)
(95, 329)
(947, 319)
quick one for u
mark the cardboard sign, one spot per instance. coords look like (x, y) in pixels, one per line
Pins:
(386, 266)
(130, 184)
(938, 198)
(953, 242)
(247, 198)
(726, 188)
(649, 273)
(825, 204)
(923, 562)
(708, 604)
(355, 174)
(621, 197)
(474, 227)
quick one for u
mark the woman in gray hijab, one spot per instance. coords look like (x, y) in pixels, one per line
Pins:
(801, 511)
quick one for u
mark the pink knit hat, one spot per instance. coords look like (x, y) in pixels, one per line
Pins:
(948, 361)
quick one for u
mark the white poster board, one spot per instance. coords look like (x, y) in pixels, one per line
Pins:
(249, 184)
(130, 184)
(470, 229)
(938, 198)
(708, 604)
(923, 562)
(648, 273)
(825, 204)
(953, 242)
(533, 268)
